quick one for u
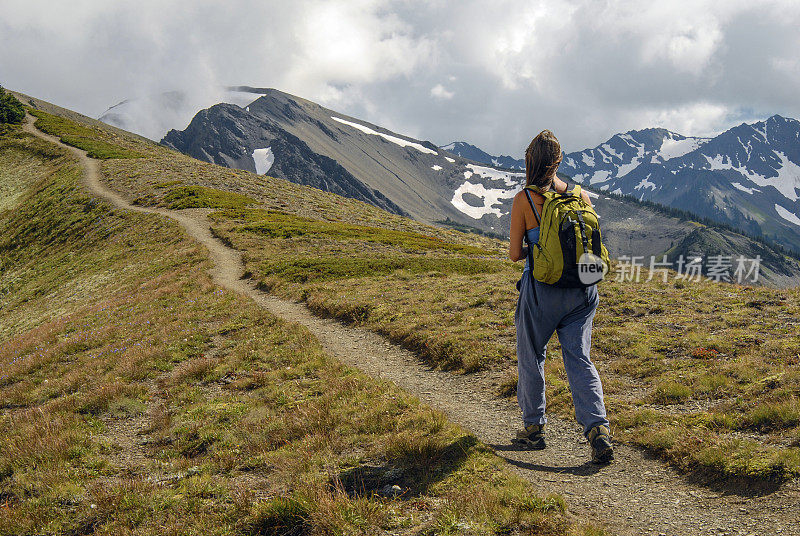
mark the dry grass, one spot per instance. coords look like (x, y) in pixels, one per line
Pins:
(707, 360)
(95, 141)
(699, 359)
(139, 398)
(690, 369)
(149, 180)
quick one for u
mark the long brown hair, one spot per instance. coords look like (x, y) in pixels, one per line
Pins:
(542, 159)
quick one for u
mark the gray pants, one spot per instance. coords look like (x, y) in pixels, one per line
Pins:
(568, 311)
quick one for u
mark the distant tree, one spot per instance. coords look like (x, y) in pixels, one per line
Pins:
(11, 110)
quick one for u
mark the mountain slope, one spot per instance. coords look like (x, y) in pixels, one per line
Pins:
(711, 242)
(303, 142)
(470, 152)
(209, 137)
(138, 394)
(410, 173)
(746, 177)
(425, 182)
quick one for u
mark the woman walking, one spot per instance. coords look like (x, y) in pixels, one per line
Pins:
(543, 309)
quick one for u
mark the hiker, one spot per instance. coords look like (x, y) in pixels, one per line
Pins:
(546, 308)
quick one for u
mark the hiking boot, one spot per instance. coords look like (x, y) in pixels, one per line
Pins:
(531, 437)
(600, 441)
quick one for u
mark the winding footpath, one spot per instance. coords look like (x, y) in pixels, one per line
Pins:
(633, 496)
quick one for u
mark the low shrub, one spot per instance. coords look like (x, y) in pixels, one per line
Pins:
(80, 136)
(11, 110)
(202, 197)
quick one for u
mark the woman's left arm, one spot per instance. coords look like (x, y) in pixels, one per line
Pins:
(516, 251)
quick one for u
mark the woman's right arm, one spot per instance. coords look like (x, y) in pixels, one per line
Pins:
(561, 186)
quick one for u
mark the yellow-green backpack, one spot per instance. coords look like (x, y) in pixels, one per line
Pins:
(570, 251)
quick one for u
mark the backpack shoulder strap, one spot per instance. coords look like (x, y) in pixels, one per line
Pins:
(535, 211)
(530, 246)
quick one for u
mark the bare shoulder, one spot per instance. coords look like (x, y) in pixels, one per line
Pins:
(520, 200)
(586, 198)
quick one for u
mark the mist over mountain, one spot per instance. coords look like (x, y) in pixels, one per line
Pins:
(152, 116)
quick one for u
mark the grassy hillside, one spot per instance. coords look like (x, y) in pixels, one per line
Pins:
(634, 227)
(139, 398)
(703, 374)
(700, 373)
(776, 267)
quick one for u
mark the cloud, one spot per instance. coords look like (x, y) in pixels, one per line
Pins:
(440, 92)
(440, 70)
(697, 118)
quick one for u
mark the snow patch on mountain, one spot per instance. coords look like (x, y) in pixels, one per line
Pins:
(436, 167)
(489, 196)
(788, 176)
(644, 183)
(510, 179)
(451, 160)
(787, 215)
(388, 137)
(786, 182)
(600, 176)
(674, 147)
(479, 181)
(624, 169)
(745, 189)
(610, 151)
(263, 159)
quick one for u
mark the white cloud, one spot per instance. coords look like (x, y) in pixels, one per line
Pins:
(352, 42)
(583, 69)
(691, 119)
(440, 92)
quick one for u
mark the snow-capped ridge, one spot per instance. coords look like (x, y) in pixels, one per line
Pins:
(388, 137)
(734, 177)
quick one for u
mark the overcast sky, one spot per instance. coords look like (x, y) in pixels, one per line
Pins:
(491, 73)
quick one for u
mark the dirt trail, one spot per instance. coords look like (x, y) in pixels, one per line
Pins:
(635, 495)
